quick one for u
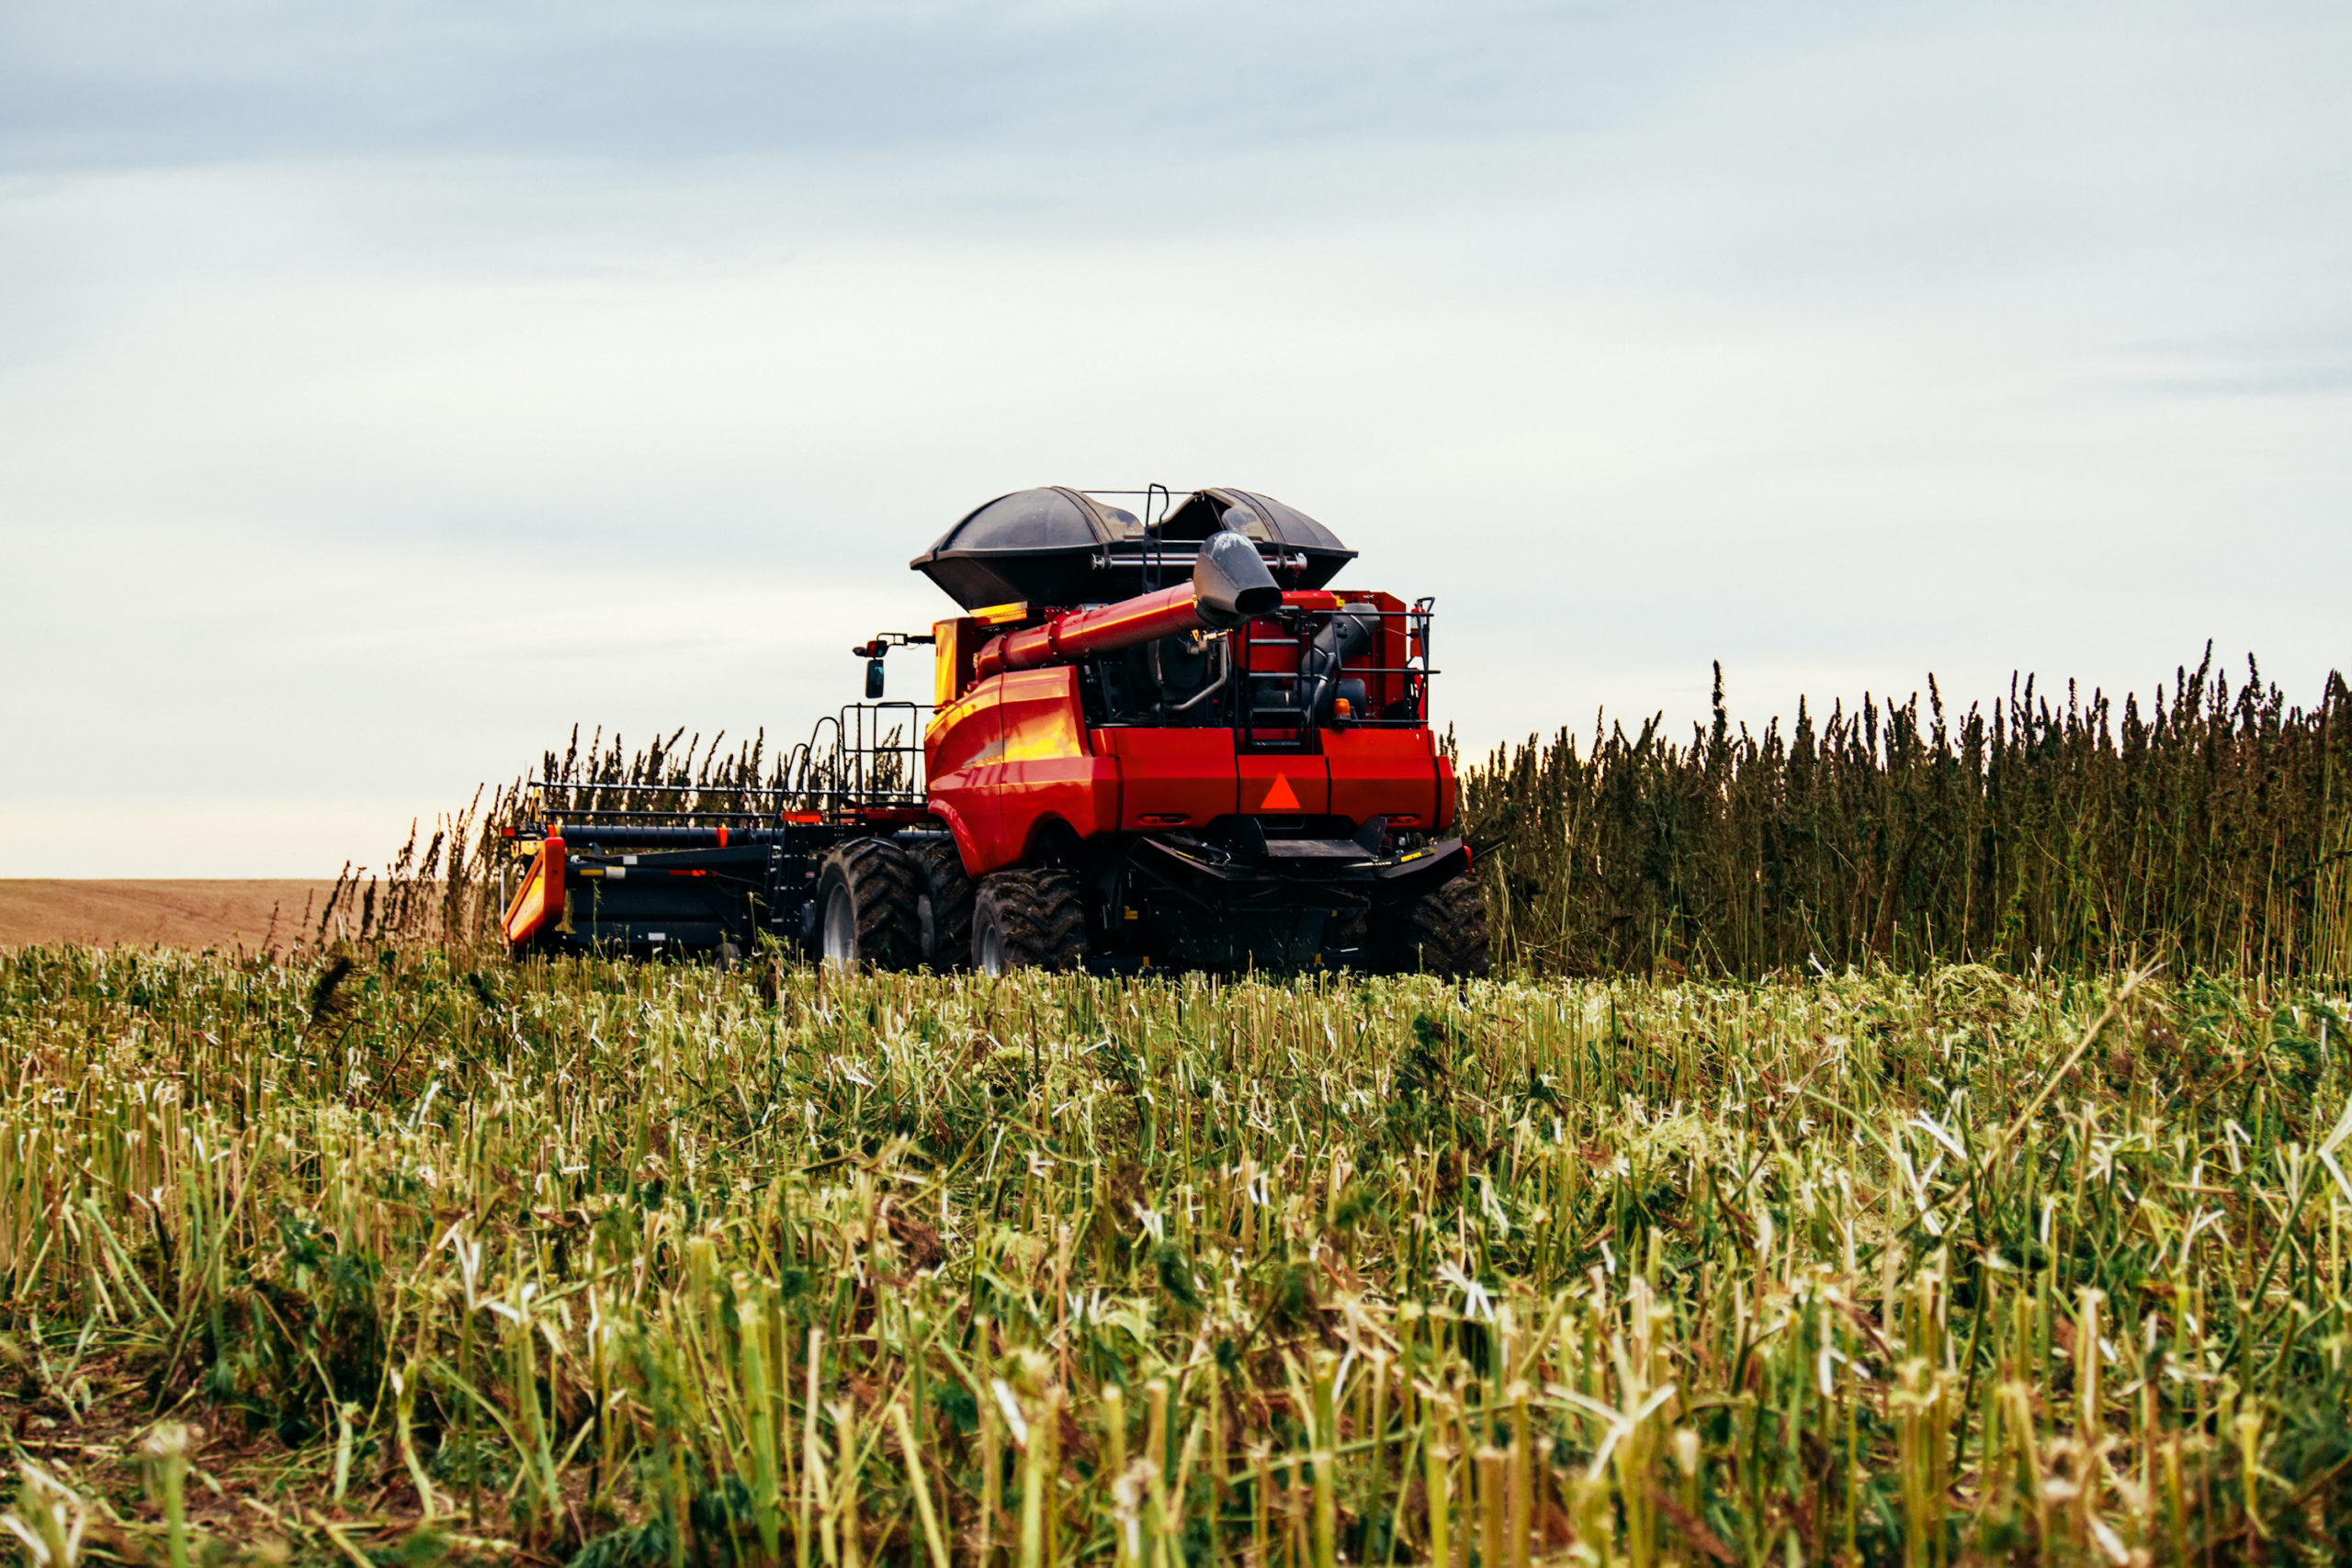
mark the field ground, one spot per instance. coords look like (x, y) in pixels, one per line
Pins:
(224, 913)
(433, 1256)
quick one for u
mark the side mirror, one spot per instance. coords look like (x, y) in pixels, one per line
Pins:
(873, 680)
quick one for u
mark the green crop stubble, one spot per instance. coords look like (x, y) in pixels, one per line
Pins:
(907, 1269)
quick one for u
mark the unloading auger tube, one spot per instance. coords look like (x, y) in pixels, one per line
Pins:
(1230, 584)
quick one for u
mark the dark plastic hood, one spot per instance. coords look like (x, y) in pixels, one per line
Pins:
(1062, 547)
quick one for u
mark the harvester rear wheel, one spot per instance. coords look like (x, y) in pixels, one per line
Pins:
(942, 906)
(1028, 920)
(865, 906)
(1442, 932)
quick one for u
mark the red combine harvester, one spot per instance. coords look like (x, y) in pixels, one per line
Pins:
(1157, 741)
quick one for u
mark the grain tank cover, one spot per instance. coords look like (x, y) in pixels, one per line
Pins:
(1064, 547)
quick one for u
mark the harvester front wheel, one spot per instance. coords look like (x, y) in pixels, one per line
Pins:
(865, 906)
(1028, 920)
(1442, 932)
(942, 906)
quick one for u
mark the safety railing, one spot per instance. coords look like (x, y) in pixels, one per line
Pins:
(1270, 700)
(868, 756)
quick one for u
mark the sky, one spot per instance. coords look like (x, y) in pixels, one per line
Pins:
(387, 387)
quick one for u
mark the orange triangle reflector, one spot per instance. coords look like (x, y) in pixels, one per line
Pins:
(1279, 796)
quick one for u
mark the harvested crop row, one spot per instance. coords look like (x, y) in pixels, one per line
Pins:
(663, 1265)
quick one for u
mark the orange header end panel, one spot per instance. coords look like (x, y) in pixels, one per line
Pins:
(539, 903)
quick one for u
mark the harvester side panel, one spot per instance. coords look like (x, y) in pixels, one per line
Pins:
(1049, 775)
(1012, 755)
(1171, 778)
(1385, 772)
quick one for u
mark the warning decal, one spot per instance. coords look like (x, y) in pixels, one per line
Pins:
(1279, 797)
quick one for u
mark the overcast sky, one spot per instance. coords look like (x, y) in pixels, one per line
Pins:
(384, 387)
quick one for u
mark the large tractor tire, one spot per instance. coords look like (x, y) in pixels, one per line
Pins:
(1028, 920)
(865, 906)
(1442, 933)
(943, 907)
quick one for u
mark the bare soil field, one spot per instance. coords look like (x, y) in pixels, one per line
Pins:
(224, 912)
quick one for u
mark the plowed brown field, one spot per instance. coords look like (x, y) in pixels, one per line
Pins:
(212, 913)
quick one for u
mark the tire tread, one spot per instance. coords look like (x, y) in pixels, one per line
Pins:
(939, 868)
(1445, 931)
(882, 881)
(1042, 914)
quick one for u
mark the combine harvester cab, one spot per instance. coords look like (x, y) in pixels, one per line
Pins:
(1156, 742)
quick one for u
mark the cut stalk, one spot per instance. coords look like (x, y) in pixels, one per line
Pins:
(933, 1542)
(766, 1509)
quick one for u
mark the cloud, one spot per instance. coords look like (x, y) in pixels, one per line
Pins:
(478, 375)
(157, 81)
